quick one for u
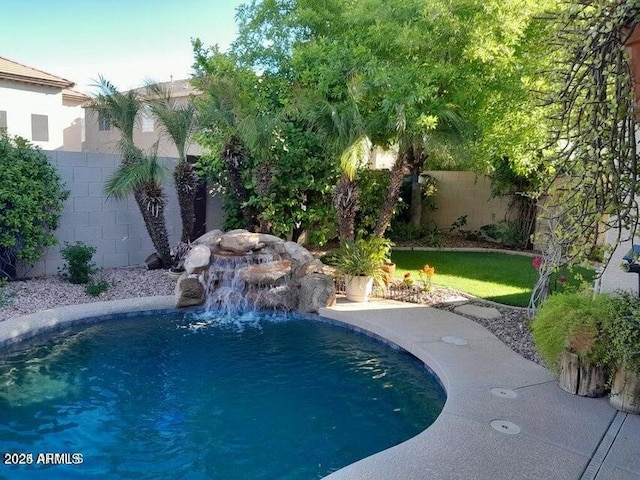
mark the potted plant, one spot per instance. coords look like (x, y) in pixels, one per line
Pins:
(623, 353)
(361, 262)
(178, 254)
(568, 331)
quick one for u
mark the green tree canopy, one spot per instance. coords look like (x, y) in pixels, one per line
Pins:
(446, 82)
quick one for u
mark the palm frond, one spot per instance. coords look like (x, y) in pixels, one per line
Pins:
(120, 108)
(178, 121)
(130, 177)
(354, 156)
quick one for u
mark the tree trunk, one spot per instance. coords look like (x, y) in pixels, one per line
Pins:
(153, 216)
(234, 156)
(345, 199)
(150, 200)
(264, 179)
(185, 180)
(415, 207)
(393, 192)
(416, 162)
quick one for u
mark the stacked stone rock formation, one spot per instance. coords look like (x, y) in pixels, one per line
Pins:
(273, 272)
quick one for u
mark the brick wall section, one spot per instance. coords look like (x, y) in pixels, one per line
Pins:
(114, 227)
(464, 193)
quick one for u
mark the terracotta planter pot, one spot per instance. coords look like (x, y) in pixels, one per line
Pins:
(389, 270)
(358, 288)
(625, 392)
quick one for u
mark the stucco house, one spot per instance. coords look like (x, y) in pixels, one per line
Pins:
(102, 138)
(41, 107)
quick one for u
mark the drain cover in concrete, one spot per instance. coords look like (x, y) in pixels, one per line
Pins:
(451, 340)
(503, 393)
(506, 427)
(488, 313)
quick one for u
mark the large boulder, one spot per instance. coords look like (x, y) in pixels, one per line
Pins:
(265, 273)
(269, 239)
(316, 291)
(197, 260)
(304, 269)
(210, 238)
(240, 241)
(282, 297)
(189, 291)
(153, 262)
(294, 252)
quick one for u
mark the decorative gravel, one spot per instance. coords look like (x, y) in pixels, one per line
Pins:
(29, 296)
(24, 297)
(512, 327)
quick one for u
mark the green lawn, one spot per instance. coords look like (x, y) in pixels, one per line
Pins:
(503, 278)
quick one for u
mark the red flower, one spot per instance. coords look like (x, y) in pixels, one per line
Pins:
(562, 279)
(537, 262)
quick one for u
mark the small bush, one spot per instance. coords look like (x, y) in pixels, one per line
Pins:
(78, 266)
(505, 232)
(623, 333)
(32, 198)
(5, 293)
(406, 232)
(573, 322)
(96, 288)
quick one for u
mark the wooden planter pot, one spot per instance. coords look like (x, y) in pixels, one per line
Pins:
(625, 392)
(579, 377)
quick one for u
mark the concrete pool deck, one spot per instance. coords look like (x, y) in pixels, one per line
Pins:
(505, 417)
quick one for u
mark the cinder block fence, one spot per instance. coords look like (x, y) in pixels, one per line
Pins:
(114, 227)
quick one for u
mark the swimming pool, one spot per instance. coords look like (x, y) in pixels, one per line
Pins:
(181, 396)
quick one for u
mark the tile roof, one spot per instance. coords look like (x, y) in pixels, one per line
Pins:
(75, 95)
(10, 70)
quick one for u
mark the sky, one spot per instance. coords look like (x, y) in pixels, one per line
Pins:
(125, 41)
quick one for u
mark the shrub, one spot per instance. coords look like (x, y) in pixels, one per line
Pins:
(404, 232)
(506, 232)
(96, 288)
(5, 293)
(78, 266)
(623, 333)
(31, 202)
(572, 322)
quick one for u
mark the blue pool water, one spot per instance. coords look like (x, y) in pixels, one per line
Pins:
(186, 397)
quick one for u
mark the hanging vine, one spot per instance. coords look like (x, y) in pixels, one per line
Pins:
(594, 132)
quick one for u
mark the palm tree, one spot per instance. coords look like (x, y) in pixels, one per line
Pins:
(225, 112)
(342, 126)
(178, 122)
(137, 174)
(431, 135)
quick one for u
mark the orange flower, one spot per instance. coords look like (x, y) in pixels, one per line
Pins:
(429, 271)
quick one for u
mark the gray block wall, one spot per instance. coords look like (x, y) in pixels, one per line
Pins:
(114, 227)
